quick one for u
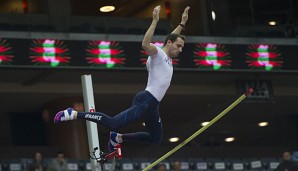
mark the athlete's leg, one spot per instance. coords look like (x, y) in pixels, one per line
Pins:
(143, 101)
(154, 126)
(153, 136)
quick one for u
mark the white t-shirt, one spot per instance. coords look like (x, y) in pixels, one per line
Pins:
(160, 70)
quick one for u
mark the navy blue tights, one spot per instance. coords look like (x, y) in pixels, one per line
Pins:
(144, 106)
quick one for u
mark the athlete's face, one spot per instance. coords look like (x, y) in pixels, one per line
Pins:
(175, 47)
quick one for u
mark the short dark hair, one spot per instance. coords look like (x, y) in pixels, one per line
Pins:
(173, 37)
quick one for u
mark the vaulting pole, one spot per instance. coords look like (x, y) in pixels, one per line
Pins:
(247, 93)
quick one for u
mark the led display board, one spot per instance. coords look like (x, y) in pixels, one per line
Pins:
(120, 54)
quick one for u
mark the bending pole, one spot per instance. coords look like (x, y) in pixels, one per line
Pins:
(91, 126)
(248, 92)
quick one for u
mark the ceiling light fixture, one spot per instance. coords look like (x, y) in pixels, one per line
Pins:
(174, 139)
(213, 15)
(204, 123)
(107, 8)
(272, 23)
(262, 124)
(230, 139)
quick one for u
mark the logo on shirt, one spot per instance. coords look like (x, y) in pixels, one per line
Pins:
(168, 61)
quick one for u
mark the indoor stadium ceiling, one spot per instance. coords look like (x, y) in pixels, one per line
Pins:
(123, 8)
(245, 18)
(251, 11)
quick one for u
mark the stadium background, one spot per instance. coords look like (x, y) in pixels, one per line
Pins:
(31, 94)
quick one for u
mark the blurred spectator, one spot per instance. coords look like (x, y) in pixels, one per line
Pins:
(38, 164)
(287, 164)
(59, 163)
(176, 166)
(161, 167)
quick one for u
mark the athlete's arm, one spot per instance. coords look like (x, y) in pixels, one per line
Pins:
(184, 19)
(146, 44)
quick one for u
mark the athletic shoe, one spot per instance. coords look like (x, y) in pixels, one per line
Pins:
(112, 142)
(64, 115)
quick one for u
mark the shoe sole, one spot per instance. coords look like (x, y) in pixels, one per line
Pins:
(57, 117)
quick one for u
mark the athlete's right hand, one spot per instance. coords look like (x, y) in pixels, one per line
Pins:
(185, 15)
(155, 13)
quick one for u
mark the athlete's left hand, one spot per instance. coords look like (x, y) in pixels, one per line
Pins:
(185, 15)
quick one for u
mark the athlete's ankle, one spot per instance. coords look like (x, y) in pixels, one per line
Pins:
(75, 114)
(119, 138)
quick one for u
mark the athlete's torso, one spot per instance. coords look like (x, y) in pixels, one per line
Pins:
(160, 70)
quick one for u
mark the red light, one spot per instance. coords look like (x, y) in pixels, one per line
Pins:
(168, 9)
(25, 6)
